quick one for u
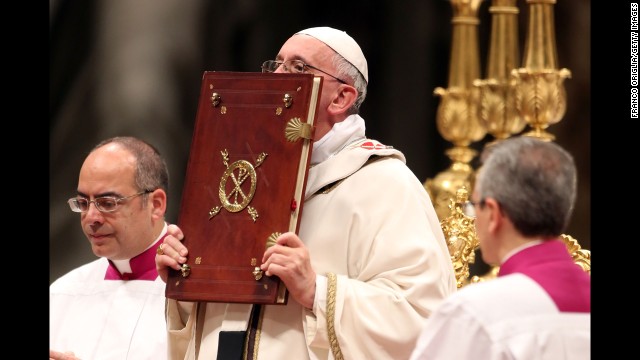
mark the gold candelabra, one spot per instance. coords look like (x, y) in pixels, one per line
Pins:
(498, 111)
(457, 119)
(540, 95)
(502, 104)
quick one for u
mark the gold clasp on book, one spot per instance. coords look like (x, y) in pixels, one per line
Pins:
(215, 99)
(288, 100)
(257, 273)
(185, 270)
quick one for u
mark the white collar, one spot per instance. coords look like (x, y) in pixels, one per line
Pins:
(341, 134)
(123, 266)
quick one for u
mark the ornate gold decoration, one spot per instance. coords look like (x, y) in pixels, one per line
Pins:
(332, 288)
(498, 112)
(214, 211)
(253, 213)
(580, 256)
(459, 231)
(501, 104)
(287, 100)
(257, 273)
(457, 118)
(185, 270)
(198, 260)
(279, 110)
(271, 240)
(238, 172)
(539, 87)
(296, 129)
(215, 99)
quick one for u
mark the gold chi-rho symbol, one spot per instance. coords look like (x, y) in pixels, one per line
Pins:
(239, 172)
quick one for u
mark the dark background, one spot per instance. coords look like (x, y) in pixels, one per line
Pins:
(122, 67)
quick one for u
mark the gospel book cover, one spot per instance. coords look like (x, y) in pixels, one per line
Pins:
(244, 183)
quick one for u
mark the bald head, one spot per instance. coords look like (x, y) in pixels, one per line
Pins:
(132, 174)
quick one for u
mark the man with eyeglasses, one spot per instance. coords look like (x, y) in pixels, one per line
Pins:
(113, 307)
(539, 306)
(370, 262)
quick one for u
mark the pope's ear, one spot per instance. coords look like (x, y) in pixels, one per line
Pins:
(346, 96)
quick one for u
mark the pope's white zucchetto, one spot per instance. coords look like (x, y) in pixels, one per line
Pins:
(341, 43)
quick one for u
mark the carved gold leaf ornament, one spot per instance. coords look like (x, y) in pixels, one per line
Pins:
(498, 112)
(541, 98)
(580, 256)
(457, 119)
(459, 231)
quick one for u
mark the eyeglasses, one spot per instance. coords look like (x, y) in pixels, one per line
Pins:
(292, 66)
(105, 204)
(469, 208)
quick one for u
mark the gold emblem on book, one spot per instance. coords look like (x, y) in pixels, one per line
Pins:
(296, 129)
(239, 172)
(271, 240)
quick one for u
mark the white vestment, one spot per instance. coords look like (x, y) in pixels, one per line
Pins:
(107, 319)
(507, 318)
(382, 263)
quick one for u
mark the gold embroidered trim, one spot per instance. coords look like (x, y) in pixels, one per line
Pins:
(256, 342)
(332, 284)
(258, 332)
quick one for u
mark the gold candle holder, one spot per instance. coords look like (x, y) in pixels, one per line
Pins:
(541, 98)
(456, 118)
(498, 111)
